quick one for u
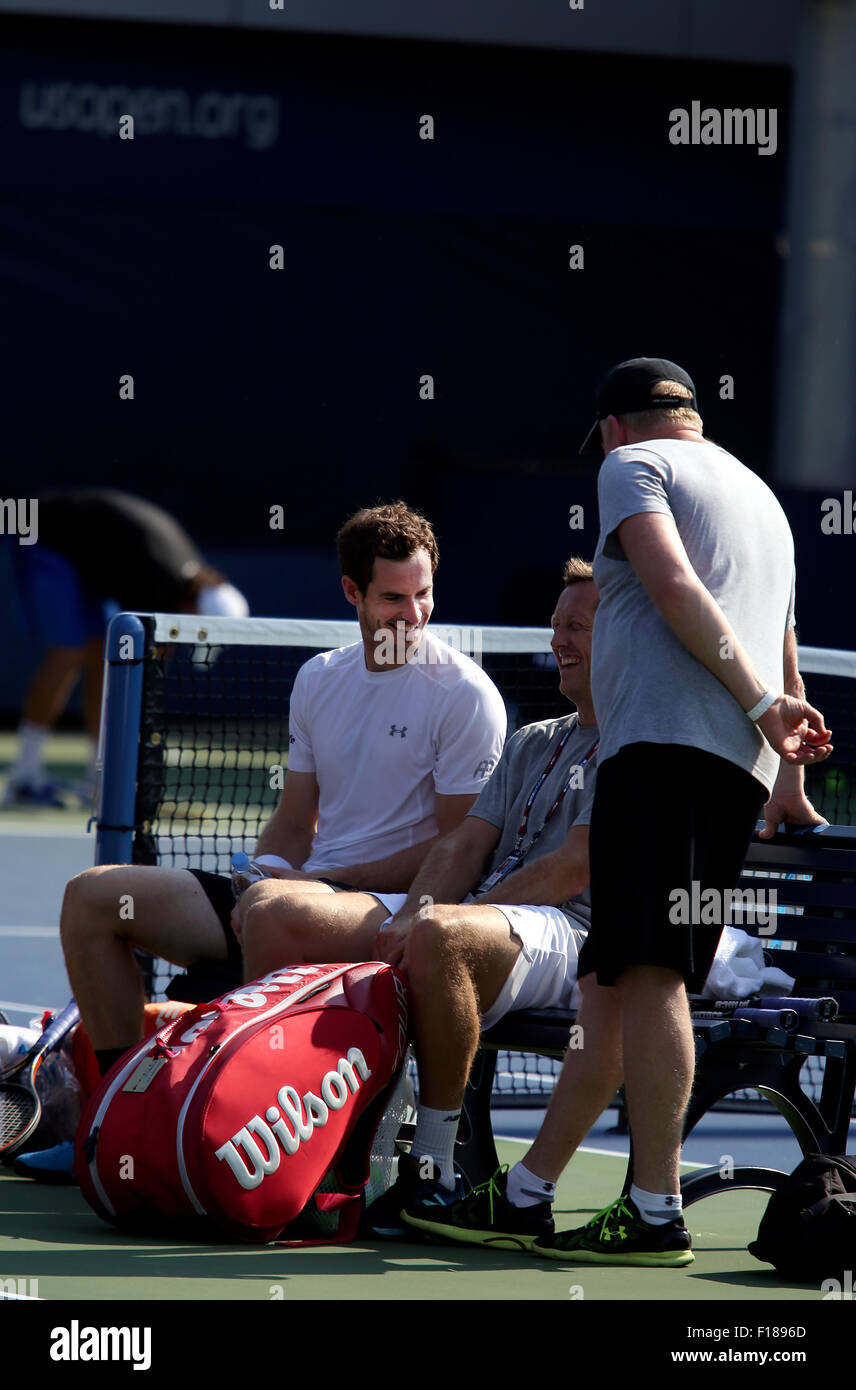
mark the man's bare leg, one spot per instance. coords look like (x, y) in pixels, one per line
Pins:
(52, 684)
(587, 1083)
(458, 959)
(301, 928)
(46, 698)
(520, 1210)
(172, 917)
(645, 1020)
(659, 1061)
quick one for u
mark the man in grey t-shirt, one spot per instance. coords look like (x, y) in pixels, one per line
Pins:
(513, 881)
(693, 646)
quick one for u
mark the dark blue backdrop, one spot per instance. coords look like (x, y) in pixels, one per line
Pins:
(403, 257)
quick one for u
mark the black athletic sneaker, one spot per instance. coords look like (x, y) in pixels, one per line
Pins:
(384, 1217)
(618, 1236)
(484, 1217)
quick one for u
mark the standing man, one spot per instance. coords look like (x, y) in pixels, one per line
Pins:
(703, 718)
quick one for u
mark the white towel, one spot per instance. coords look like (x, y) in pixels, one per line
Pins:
(739, 970)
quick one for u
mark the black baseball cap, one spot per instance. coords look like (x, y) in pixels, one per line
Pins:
(630, 387)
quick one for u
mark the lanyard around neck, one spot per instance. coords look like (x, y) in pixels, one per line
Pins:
(524, 820)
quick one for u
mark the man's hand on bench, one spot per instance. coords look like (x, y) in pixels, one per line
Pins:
(788, 803)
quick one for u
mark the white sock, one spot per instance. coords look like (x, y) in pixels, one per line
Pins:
(28, 766)
(657, 1208)
(525, 1189)
(436, 1131)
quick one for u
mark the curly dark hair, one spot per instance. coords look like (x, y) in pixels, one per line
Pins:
(392, 531)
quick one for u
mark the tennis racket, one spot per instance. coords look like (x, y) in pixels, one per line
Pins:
(20, 1107)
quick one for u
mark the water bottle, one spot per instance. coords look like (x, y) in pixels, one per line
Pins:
(244, 872)
(383, 1168)
(16, 1042)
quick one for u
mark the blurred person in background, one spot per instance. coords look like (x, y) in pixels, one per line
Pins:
(97, 552)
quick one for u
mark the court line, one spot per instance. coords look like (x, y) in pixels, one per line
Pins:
(29, 931)
(25, 830)
(584, 1149)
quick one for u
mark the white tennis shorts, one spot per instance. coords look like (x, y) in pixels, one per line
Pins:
(544, 976)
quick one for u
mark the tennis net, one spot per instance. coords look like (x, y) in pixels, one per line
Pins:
(194, 742)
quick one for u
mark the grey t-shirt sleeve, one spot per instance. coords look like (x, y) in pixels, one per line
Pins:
(625, 487)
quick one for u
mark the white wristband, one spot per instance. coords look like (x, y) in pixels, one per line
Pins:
(762, 706)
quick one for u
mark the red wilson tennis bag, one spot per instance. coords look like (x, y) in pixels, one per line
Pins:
(230, 1118)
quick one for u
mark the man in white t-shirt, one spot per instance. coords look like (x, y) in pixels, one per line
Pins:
(391, 741)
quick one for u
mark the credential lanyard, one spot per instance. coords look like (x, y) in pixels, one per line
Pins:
(518, 854)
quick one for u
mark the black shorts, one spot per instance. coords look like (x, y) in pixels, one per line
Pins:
(218, 890)
(665, 817)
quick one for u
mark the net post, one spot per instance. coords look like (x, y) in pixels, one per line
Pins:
(118, 739)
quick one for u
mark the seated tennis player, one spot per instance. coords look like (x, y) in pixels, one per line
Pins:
(522, 852)
(391, 739)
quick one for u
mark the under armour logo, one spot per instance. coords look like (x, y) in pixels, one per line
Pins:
(485, 767)
(394, 730)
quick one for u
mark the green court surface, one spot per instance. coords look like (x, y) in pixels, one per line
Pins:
(55, 1248)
